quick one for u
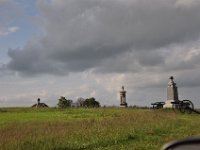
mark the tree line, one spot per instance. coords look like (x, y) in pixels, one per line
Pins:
(81, 102)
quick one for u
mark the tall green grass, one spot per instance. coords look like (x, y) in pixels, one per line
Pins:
(98, 129)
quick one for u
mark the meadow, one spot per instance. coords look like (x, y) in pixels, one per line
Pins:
(95, 129)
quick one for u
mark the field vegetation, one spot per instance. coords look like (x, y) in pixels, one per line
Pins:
(94, 128)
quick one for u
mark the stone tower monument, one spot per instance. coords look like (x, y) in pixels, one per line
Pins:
(123, 98)
(172, 93)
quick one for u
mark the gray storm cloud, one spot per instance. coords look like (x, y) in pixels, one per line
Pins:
(108, 36)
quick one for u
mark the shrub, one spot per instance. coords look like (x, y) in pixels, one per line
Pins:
(63, 102)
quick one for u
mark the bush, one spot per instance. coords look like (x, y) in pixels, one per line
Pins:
(91, 102)
(63, 102)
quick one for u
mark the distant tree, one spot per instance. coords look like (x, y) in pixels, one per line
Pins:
(91, 102)
(80, 102)
(63, 102)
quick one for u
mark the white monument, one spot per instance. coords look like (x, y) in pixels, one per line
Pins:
(123, 97)
(172, 93)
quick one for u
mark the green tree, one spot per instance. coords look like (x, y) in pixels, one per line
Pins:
(91, 102)
(63, 102)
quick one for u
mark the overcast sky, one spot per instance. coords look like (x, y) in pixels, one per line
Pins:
(90, 48)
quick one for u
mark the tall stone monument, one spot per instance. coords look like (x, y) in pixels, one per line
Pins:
(123, 97)
(172, 93)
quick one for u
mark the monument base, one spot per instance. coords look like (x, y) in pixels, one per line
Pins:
(123, 105)
(168, 104)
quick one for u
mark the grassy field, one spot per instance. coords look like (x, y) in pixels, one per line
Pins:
(98, 129)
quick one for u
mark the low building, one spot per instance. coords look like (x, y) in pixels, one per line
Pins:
(39, 105)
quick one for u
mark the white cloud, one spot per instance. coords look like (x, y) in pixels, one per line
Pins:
(13, 29)
(186, 3)
(8, 31)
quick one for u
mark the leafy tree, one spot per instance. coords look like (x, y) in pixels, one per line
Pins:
(91, 102)
(63, 102)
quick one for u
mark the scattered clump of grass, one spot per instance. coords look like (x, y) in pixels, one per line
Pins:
(100, 129)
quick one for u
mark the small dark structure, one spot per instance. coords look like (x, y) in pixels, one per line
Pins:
(40, 105)
(123, 102)
(158, 105)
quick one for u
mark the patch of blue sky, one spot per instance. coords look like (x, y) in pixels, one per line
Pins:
(28, 5)
(17, 39)
(27, 29)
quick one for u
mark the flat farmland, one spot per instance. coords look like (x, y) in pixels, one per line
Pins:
(95, 129)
